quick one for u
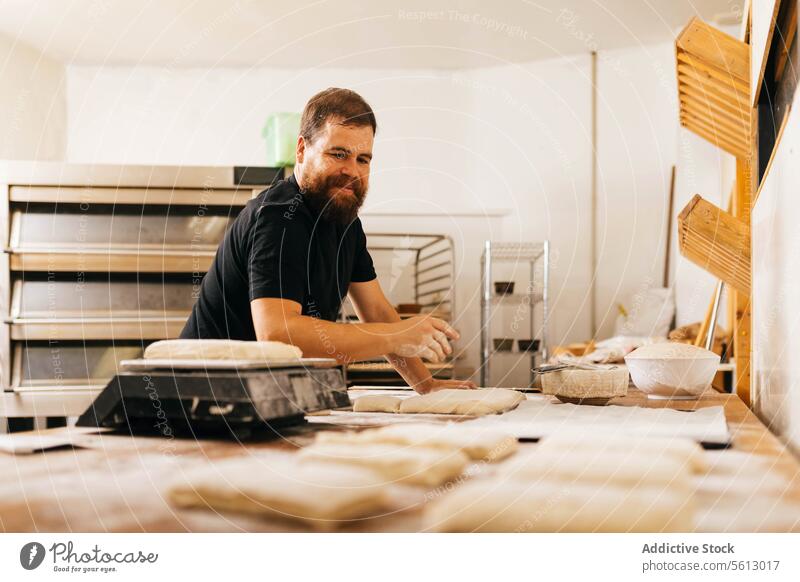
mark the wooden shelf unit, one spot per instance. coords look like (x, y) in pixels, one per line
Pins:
(715, 101)
(713, 72)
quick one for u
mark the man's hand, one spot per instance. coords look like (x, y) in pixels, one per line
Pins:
(433, 385)
(423, 336)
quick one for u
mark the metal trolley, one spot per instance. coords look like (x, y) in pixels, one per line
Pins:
(537, 255)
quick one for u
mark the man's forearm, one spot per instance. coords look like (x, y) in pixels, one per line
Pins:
(413, 370)
(346, 342)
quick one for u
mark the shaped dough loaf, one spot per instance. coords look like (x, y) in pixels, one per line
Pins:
(464, 402)
(622, 468)
(515, 506)
(394, 463)
(279, 486)
(376, 403)
(684, 450)
(478, 443)
(218, 349)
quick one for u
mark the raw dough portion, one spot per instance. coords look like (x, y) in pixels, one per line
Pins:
(220, 349)
(671, 350)
(516, 506)
(684, 450)
(280, 486)
(464, 402)
(394, 463)
(377, 403)
(621, 468)
(478, 443)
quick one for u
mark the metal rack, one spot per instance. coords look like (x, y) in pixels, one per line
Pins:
(98, 261)
(537, 255)
(427, 261)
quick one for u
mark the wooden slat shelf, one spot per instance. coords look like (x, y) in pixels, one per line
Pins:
(713, 71)
(716, 241)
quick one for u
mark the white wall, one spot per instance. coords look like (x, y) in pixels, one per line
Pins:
(532, 132)
(515, 137)
(214, 117)
(32, 104)
(776, 290)
(639, 140)
(637, 115)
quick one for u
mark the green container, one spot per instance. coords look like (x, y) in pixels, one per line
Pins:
(280, 132)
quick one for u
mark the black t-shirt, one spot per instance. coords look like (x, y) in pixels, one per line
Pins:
(278, 247)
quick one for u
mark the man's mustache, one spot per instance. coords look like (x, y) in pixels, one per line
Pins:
(344, 182)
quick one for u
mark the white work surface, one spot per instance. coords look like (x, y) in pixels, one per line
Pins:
(539, 416)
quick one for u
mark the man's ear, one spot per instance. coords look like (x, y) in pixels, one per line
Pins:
(300, 150)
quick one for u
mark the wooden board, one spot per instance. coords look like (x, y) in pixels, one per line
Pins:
(742, 324)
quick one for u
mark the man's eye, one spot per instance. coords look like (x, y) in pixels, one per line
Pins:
(340, 155)
(363, 160)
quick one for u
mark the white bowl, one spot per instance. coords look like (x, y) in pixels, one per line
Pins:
(672, 370)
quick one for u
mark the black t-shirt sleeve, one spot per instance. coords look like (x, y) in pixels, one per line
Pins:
(363, 269)
(277, 262)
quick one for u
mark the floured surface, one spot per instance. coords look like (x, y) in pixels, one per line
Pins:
(119, 483)
(541, 416)
(355, 419)
(685, 451)
(33, 442)
(358, 419)
(741, 492)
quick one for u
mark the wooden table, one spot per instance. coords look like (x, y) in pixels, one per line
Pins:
(119, 486)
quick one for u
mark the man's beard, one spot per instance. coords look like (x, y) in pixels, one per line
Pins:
(338, 208)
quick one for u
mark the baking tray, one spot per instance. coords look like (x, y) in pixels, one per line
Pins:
(141, 365)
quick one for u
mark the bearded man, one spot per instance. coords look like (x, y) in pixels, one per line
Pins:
(298, 248)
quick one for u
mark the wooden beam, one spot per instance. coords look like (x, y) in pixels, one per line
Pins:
(742, 324)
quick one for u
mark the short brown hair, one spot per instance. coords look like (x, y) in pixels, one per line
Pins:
(343, 105)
